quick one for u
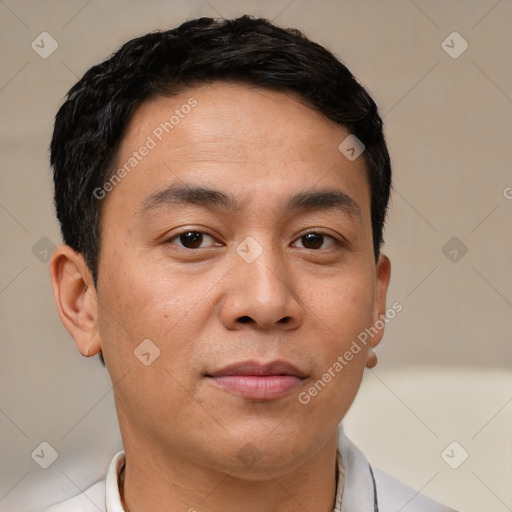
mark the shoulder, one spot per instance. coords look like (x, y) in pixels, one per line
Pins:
(369, 489)
(95, 498)
(393, 495)
(90, 500)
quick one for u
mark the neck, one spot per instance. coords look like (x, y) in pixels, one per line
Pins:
(156, 482)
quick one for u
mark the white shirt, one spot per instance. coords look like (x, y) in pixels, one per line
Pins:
(360, 488)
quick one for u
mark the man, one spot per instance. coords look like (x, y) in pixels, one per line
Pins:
(222, 190)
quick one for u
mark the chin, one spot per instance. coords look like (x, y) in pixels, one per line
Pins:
(255, 455)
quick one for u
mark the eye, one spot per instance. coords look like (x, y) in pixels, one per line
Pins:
(191, 239)
(315, 240)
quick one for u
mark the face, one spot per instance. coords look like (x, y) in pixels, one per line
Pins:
(241, 235)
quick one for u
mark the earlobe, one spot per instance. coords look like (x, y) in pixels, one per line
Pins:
(371, 358)
(75, 296)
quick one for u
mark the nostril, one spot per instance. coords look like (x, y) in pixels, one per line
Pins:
(245, 319)
(285, 320)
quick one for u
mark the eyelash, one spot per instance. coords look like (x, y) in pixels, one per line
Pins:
(336, 243)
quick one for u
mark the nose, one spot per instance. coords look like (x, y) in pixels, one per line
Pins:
(261, 294)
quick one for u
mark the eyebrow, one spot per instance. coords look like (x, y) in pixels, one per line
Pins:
(318, 200)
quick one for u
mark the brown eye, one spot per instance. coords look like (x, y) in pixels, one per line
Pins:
(315, 240)
(192, 240)
(312, 240)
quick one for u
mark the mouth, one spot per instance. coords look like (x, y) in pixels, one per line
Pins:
(256, 381)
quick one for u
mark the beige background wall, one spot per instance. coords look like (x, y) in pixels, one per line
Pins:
(449, 127)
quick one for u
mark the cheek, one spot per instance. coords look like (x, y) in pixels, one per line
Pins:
(140, 303)
(140, 293)
(343, 305)
(340, 315)
(144, 299)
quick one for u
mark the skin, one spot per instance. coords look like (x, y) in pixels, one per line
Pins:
(207, 307)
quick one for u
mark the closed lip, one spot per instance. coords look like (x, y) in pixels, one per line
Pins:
(254, 368)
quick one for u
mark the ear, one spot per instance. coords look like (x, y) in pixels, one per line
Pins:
(76, 299)
(382, 277)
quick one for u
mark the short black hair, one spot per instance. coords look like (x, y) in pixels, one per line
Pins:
(90, 124)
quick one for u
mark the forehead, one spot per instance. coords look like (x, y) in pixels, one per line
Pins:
(231, 117)
(235, 136)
